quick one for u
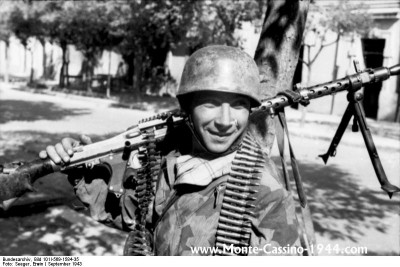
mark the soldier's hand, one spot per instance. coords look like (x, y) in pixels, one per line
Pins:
(63, 151)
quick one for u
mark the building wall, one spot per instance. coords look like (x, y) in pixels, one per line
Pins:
(20, 59)
(386, 14)
(390, 31)
(349, 49)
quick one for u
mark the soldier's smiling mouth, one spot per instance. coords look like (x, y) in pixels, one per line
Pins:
(221, 135)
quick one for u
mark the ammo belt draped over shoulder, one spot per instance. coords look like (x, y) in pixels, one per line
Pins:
(234, 227)
(140, 240)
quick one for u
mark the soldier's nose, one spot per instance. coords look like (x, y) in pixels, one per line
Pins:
(224, 119)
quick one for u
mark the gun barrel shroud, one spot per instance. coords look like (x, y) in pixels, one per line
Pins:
(352, 82)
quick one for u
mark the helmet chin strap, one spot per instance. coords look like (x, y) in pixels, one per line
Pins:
(197, 140)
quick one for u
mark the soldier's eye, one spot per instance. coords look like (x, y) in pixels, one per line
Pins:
(241, 103)
(210, 103)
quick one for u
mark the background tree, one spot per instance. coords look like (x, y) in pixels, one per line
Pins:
(58, 20)
(150, 29)
(216, 22)
(93, 33)
(25, 22)
(143, 32)
(153, 28)
(36, 12)
(277, 55)
(20, 24)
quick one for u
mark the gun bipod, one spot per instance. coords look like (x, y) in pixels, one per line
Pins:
(356, 109)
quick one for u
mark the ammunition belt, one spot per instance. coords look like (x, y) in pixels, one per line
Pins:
(164, 115)
(234, 227)
(140, 240)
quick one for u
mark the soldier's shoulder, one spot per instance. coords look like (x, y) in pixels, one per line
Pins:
(177, 141)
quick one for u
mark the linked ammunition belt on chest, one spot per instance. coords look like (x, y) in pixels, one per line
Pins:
(234, 226)
(140, 240)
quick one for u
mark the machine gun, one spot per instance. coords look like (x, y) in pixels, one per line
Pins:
(16, 179)
(352, 84)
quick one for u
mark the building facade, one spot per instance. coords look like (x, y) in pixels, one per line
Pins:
(380, 48)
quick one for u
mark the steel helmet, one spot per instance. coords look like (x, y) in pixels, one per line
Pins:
(222, 69)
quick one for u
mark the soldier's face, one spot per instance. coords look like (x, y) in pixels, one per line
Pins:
(219, 118)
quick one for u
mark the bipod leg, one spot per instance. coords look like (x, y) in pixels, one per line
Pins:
(373, 153)
(339, 133)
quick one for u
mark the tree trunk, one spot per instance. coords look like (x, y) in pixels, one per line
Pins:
(6, 76)
(66, 75)
(137, 74)
(277, 57)
(62, 71)
(44, 59)
(61, 80)
(277, 54)
(128, 59)
(89, 76)
(25, 59)
(109, 75)
(32, 70)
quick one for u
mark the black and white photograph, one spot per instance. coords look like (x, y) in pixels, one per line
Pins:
(198, 128)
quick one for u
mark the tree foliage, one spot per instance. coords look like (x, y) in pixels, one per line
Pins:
(5, 32)
(24, 21)
(217, 21)
(92, 31)
(143, 32)
(5, 11)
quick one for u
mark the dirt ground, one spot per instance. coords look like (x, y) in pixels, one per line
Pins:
(349, 209)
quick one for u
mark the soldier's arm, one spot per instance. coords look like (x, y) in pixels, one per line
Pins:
(91, 187)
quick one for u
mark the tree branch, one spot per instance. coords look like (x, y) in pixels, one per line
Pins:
(304, 62)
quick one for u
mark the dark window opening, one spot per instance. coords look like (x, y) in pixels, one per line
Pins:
(373, 56)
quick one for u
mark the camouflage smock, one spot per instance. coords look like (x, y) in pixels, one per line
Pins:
(192, 218)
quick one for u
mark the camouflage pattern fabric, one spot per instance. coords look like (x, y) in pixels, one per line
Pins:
(191, 220)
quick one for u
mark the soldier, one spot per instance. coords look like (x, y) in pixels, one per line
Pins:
(216, 187)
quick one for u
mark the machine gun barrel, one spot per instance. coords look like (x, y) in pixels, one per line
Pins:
(349, 83)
